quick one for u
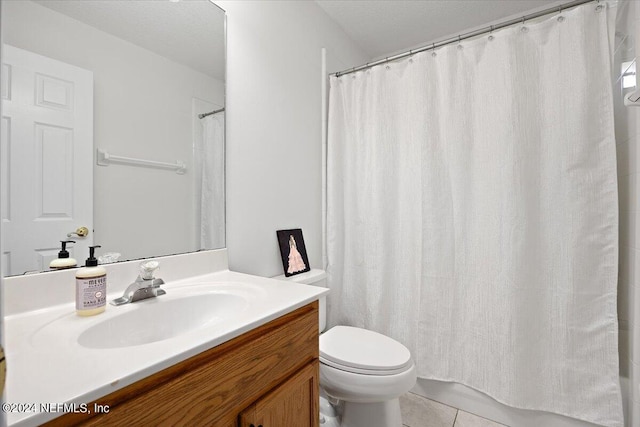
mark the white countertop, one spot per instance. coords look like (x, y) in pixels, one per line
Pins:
(46, 365)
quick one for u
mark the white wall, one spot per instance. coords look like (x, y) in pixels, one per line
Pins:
(143, 109)
(274, 117)
(627, 119)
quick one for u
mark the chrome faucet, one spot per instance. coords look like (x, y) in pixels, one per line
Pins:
(145, 286)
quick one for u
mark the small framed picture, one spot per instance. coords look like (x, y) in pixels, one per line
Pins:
(293, 252)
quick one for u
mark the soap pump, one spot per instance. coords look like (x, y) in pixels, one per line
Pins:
(63, 260)
(91, 287)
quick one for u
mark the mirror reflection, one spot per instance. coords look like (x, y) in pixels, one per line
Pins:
(112, 120)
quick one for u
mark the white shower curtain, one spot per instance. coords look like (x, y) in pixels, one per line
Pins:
(210, 157)
(473, 216)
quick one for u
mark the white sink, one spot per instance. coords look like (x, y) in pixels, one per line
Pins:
(182, 310)
(157, 319)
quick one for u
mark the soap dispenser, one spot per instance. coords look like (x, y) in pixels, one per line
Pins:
(91, 287)
(63, 260)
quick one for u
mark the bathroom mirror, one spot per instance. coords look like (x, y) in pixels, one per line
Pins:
(101, 129)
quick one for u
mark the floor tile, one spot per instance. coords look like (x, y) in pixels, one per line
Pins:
(465, 419)
(418, 411)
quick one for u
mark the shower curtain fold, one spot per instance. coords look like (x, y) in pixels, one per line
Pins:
(472, 213)
(210, 158)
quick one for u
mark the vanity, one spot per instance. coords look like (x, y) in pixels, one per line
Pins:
(219, 349)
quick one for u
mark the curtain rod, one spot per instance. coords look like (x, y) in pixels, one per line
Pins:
(202, 116)
(467, 35)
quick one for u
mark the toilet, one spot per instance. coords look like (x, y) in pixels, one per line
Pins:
(362, 373)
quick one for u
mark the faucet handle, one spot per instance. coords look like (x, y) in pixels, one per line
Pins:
(147, 268)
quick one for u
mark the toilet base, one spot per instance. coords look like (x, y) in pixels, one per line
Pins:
(379, 414)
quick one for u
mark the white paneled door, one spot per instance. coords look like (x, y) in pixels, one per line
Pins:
(47, 158)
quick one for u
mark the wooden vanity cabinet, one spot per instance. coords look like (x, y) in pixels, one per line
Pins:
(267, 376)
(293, 403)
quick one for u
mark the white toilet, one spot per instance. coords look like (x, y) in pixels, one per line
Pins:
(362, 373)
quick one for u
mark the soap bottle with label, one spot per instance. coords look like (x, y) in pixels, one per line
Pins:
(63, 260)
(91, 287)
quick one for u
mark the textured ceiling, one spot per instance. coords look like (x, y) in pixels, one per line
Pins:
(188, 32)
(384, 27)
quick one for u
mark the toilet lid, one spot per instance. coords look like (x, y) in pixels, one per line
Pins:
(363, 351)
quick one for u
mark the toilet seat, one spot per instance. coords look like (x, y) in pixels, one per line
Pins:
(362, 351)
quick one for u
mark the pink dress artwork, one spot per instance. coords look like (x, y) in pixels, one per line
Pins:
(295, 259)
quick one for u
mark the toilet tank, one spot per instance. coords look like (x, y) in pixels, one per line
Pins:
(313, 277)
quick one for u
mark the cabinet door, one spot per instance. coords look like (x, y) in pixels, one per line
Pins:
(294, 403)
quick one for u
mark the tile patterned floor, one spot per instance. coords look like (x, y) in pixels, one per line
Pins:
(418, 411)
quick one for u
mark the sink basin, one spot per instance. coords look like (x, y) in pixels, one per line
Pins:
(159, 319)
(182, 310)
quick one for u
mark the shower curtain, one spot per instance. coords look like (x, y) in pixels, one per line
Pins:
(473, 214)
(210, 155)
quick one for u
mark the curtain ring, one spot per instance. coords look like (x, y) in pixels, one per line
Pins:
(459, 45)
(491, 34)
(560, 17)
(524, 29)
(433, 50)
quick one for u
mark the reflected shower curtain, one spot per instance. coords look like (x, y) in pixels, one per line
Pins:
(211, 158)
(472, 213)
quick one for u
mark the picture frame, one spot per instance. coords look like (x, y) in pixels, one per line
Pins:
(293, 252)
